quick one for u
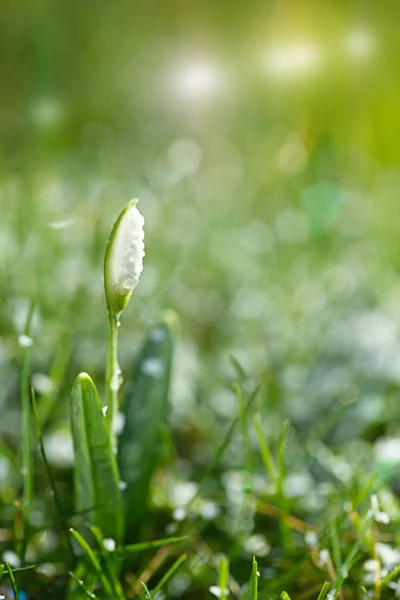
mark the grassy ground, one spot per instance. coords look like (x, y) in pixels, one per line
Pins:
(269, 188)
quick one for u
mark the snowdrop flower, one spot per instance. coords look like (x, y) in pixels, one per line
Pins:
(124, 258)
(375, 514)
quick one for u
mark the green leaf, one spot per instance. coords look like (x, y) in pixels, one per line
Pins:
(95, 471)
(145, 408)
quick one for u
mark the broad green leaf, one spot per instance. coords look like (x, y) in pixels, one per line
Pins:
(145, 409)
(95, 471)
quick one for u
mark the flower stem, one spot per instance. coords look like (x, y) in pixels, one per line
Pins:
(113, 374)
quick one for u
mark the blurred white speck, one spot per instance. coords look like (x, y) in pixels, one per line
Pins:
(373, 570)
(48, 541)
(310, 538)
(47, 569)
(209, 510)
(298, 484)
(390, 556)
(257, 238)
(182, 493)
(360, 43)
(375, 514)
(43, 384)
(109, 544)
(152, 367)
(25, 341)
(59, 448)
(294, 59)
(158, 333)
(388, 449)
(291, 226)
(257, 545)
(122, 485)
(179, 514)
(46, 112)
(179, 584)
(324, 557)
(104, 410)
(119, 423)
(4, 470)
(292, 156)
(184, 156)
(216, 591)
(12, 558)
(62, 224)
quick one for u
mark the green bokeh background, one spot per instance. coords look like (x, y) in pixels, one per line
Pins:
(262, 139)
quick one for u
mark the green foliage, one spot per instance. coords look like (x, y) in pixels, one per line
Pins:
(145, 409)
(96, 479)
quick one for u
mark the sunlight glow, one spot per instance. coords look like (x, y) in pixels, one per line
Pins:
(293, 59)
(197, 80)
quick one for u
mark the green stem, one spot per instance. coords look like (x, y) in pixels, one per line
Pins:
(113, 371)
(26, 424)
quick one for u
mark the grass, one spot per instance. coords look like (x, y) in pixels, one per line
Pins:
(286, 506)
(259, 410)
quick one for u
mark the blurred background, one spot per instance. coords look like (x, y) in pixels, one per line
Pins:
(262, 140)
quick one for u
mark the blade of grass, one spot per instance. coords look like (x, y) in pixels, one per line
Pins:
(265, 450)
(254, 580)
(108, 563)
(285, 596)
(26, 426)
(12, 581)
(223, 578)
(93, 560)
(2, 567)
(177, 564)
(391, 575)
(80, 583)
(324, 590)
(336, 553)
(344, 569)
(131, 548)
(47, 405)
(50, 474)
(240, 372)
(147, 594)
(85, 575)
(284, 505)
(245, 429)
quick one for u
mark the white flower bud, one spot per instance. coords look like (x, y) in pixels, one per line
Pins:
(124, 257)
